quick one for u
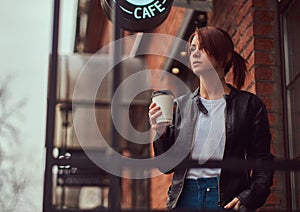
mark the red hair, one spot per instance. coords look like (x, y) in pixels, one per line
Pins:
(218, 44)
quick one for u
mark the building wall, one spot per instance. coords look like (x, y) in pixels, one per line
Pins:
(254, 27)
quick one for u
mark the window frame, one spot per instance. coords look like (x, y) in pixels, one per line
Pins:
(287, 82)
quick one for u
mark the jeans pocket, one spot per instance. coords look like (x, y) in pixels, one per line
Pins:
(211, 197)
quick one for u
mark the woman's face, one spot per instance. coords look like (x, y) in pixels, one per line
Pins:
(199, 59)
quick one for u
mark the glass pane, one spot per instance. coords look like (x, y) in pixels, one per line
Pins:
(292, 51)
(82, 73)
(294, 137)
(292, 18)
(295, 118)
(79, 188)
(66, 135)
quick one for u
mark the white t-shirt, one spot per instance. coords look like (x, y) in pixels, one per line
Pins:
(209, 143)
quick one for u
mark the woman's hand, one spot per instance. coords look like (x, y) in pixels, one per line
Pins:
(234, 204)
(154, 113)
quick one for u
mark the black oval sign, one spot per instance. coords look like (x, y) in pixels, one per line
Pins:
(139, 15)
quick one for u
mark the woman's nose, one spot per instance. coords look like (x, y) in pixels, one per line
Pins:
(196, 53)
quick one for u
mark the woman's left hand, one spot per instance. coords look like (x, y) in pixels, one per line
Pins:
(234, 204)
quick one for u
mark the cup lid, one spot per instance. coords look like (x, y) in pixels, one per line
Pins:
(162, 92)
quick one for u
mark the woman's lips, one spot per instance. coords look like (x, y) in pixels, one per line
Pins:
(196, 63)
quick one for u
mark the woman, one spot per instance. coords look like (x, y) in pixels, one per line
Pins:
(217, 121)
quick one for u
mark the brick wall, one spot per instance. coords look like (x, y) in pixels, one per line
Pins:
(253, 25)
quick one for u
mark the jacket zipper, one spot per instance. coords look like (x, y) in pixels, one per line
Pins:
(225, 123)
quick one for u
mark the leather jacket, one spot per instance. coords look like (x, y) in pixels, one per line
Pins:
(247, 136)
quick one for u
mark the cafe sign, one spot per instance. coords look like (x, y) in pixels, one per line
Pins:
(139, 15)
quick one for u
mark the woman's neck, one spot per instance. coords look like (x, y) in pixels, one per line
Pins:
(213, 89)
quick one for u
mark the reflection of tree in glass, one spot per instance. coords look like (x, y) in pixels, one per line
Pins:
(12, 180)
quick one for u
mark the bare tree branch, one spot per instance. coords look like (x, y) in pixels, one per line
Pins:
(12, 181)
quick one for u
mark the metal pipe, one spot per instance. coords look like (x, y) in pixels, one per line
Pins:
(51, 103)
(115, 181)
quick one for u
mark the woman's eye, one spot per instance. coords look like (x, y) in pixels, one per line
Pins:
(192, 48)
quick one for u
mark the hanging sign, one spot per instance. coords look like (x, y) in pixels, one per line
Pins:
(139, 15)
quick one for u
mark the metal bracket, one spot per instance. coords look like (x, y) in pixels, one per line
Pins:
(198, 5)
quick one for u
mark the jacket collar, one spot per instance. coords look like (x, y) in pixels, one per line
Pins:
(196, 93)
(233, 92)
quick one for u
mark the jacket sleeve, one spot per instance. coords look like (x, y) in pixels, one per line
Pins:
(259, 150)
(164, 142)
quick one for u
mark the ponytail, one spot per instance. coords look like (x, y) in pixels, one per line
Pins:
(239, 68)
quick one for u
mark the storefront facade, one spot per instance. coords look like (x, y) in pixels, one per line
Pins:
(264, 32)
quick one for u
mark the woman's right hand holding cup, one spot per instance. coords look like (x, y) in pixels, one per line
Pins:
(154, 113)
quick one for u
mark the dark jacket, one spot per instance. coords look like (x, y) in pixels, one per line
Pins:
(247, 136)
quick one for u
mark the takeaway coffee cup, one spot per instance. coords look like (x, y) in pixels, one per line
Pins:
(164, 99)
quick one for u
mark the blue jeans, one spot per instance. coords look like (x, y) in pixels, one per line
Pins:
(199, 194)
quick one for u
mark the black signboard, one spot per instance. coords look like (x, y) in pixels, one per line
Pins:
(139, 15)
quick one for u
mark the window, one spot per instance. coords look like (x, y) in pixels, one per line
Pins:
(291, 59)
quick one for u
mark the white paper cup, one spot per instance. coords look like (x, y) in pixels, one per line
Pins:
(164, 99)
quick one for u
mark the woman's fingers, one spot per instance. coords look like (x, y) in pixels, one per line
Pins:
(154, 113)
(152, 105)
(153, 108)
(235, 203)
(154, 116)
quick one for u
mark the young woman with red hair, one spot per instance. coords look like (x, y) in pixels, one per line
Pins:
(218, 121)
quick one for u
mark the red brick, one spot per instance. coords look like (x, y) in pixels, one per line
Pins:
(261, 3)
(236, 38)
(235, 7)
(263, 16)
(264, 88)
(249, 79)
(244, 11)
(238, 48)
(251, 88)
(238, 5)
(263, 29)
(248, 49)
(263, 73)
(264, 58)
(251, 60)
(231, 29)
(272, 118)
(246, 23)
(250, 67)
(268, 100)
(247, 6)
(244, 41)
(264, 44)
